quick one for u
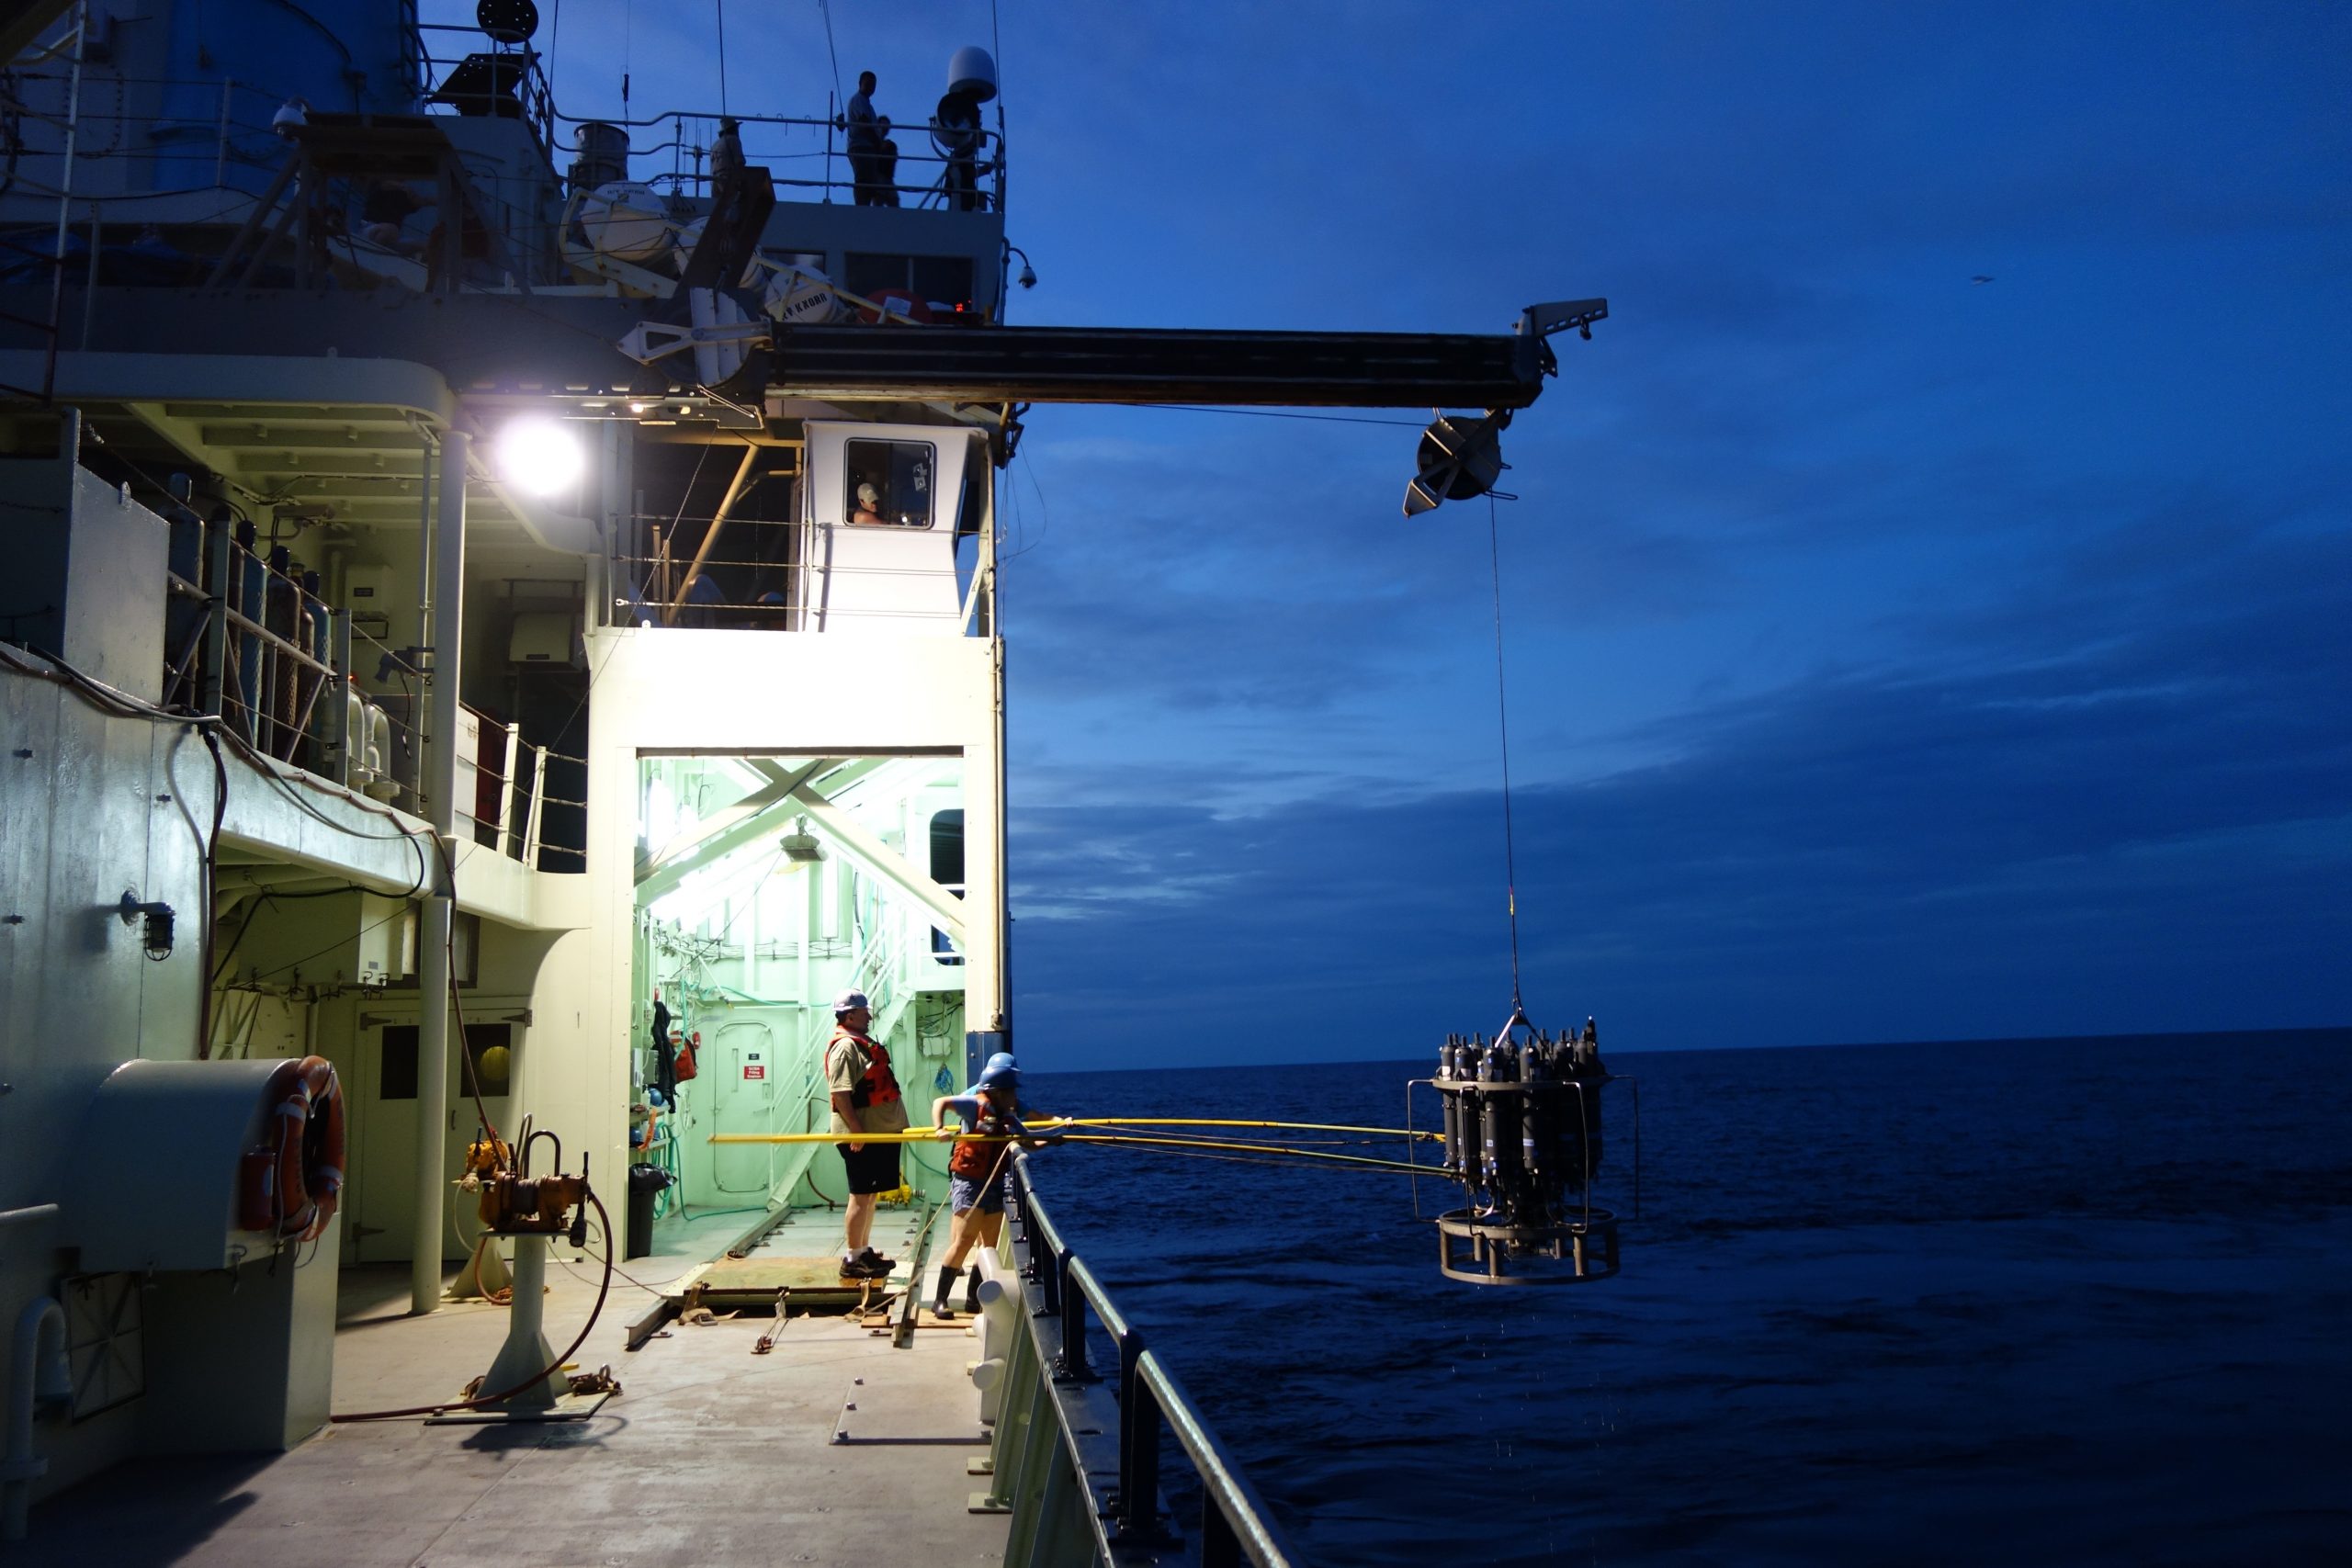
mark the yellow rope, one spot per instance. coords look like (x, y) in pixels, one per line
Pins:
(1048, 1127)
(1164, 1141)
(1209, 1122)
(1247, 1148)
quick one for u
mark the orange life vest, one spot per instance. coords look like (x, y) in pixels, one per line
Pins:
(974, 1160)
(876, 1085)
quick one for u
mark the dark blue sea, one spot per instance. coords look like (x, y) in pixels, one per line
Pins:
(2048, 1302)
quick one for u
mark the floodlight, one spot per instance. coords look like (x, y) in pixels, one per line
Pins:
(540, 456)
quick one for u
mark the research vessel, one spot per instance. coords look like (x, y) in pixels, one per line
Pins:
(502, 632)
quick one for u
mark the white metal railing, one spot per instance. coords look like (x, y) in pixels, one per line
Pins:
(254, 639)
(785, 607)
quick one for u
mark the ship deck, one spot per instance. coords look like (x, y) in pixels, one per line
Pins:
(711, 1454)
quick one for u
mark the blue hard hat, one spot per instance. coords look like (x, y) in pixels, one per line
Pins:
(1001, 1072)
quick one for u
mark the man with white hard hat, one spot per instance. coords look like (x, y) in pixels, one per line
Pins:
(865, 1100)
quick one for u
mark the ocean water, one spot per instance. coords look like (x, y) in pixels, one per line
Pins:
(2061, 1301)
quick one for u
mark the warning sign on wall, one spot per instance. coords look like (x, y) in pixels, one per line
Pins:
(755, 1070)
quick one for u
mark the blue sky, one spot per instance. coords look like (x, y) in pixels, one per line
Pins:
(1892, 657)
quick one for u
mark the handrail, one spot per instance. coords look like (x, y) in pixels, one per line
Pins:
(688, 140)
(1234, 1522)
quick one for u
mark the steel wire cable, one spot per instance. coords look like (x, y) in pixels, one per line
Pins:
(1502, 717)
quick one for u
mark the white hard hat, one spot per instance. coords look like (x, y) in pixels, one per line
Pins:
(869, 495)
(851, 1001)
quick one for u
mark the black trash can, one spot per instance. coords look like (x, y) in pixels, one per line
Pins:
(645, 1182)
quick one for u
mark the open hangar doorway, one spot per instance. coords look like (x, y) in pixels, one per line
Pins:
(766, 887)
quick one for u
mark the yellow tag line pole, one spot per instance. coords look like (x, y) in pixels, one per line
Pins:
(1047, 1130)
(911, 1136)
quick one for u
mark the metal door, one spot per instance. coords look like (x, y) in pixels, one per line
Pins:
(380, 1208)
(746, 1103)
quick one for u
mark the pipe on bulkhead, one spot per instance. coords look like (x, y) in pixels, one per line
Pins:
(31, 1377)
(439, 778)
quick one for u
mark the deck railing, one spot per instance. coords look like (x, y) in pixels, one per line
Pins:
(1117, 1459)
(807, 158)
(254, 641)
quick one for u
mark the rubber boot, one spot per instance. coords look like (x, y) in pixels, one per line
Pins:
(946, 1281)
(972, 1290)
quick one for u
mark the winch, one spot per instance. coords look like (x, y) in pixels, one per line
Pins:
(1522, 1128)
(515, 1202)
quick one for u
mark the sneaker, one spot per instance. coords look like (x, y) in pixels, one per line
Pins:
(863, 1269)
(868, 1255)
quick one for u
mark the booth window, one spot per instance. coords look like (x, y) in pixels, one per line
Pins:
(946, 279)
(900, 473)
(948, 870)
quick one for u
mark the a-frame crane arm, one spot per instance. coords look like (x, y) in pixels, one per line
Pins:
(1126, 364)
(1137, 365)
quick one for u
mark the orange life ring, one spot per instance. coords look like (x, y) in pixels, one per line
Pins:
(292, 1182)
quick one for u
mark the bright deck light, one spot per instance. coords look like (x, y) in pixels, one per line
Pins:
(540, 456)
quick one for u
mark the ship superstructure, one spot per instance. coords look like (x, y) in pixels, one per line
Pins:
(518, 625)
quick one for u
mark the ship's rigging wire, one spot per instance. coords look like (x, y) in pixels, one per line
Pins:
(995, 52)
(1045, 524)
(555, 31)
(826, 10)
(1502, 720)
(721, 5)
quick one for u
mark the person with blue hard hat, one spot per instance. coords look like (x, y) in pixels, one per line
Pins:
(976, 1169)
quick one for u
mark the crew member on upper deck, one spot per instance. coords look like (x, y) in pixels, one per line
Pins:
(873, 156)
(957, 131)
